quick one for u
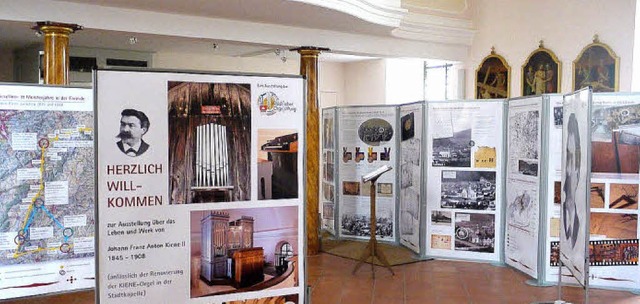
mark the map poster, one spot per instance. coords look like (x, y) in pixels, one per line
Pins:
(523, 182)
(576, 178)
(329, 169)
(464, 169)
(200, 184)
(411, 125)
(46, 190)
(367, 138)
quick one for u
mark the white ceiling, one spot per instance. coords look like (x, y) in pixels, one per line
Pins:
(281, 12)
(17, 35)
(263, 26)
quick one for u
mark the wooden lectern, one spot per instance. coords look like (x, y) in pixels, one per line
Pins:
(372, 249)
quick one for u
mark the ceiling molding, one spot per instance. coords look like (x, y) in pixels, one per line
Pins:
(217, 29)
(382, 12)
(430, 6)
(438, 29)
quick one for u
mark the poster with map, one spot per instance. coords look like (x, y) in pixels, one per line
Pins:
(523, 183)
(46, 190)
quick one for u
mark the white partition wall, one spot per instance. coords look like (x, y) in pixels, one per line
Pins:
(200, 187)
(328, 179)
(367, 141)
(523, 182)
(613, 192)
(465, 174)
(411, 174)
(46, 190)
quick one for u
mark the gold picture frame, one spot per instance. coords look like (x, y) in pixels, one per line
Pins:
(541, 72)
(493, 77)
(597, 66)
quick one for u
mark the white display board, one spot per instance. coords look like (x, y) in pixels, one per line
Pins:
(210, 208)
(576, 175)
(328, 161)
(613, 192)
(367, 141)
(46, 190)
(411, 142)
(464, 188)
(524, 135)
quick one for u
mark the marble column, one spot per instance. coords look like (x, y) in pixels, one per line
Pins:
(309, 69)
(56, 50)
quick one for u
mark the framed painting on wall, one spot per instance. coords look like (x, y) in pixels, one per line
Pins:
(492, 77)
(541, 72)
(597, 66)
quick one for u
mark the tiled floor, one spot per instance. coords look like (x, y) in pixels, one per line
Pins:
(439, 282)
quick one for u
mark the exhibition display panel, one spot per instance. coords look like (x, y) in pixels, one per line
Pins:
(200, 187)
(613, 194)
(367, 138)
(466, 169)
(328, 179)
(524, 146)
(46, 190)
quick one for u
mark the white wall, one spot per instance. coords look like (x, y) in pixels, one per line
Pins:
(364, 82)
(211, 62)
(516, 27)
(6, 65)
(331, 83)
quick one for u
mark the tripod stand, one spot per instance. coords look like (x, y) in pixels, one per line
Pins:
(372, 250)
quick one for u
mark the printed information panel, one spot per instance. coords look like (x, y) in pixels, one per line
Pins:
(328, 190)
(523, 184)
(200, 188)
(464, 163)
(367, 140)
(613, 192)
(46, 190)
(576, 175)
(411, 141)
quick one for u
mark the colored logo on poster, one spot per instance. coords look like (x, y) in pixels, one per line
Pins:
(270, 104)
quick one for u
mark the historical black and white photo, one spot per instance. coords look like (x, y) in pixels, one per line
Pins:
(475, 232)
(453, 151)
(528, 167)
(439, 217)
(468, 190)
(360, 225)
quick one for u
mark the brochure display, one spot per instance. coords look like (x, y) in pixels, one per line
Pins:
(329, 157)
(46, 190)
(524, 137)
(464, 192)
(367, 139)
(411, 126)
(205, 171)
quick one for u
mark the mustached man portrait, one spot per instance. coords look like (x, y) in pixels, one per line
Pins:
(134, 125)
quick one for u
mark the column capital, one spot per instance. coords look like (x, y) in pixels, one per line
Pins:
(309, 50)
(56, 27)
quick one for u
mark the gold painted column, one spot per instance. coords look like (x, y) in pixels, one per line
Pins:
(56, 50)
(309, 69)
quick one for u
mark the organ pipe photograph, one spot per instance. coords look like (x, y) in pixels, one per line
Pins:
(209, 142)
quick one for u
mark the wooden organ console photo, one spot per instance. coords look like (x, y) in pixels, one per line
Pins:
(227, 253)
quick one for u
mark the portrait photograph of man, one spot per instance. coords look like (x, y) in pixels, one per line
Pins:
(134, 125)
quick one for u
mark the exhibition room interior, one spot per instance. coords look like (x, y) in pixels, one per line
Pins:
(459, 112)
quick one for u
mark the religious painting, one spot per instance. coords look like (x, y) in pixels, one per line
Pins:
(492, 77)
(541, 73)
(597, 66)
